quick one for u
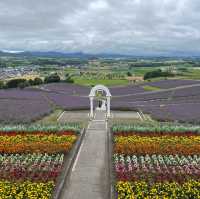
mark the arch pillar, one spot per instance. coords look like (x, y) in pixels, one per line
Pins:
(108, 106)
(91, 107)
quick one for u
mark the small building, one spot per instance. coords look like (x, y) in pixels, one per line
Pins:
(135, 79)
(170, 69)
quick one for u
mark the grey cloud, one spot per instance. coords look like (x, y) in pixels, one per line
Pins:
(129, 26)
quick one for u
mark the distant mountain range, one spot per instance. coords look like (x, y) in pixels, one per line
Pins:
(55, 54)
(81, 55)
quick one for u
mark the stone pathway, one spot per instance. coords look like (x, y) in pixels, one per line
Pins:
(89, 176)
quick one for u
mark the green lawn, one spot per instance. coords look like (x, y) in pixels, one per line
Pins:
(52, 118)
(150, 88)
(105, 82)
(192, 74)
(140, 71)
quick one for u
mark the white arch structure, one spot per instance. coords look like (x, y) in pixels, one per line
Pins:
(93, 94)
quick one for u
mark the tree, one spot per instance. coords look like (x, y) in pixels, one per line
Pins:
(31, 82)
(52, 78)
(129, 74)
(37, 81)
(69, 80)
(2, 85)
(66, 75)
(157, 73)
(14, 83)
(22, 85)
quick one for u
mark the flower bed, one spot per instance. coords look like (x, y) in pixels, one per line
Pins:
(158, 163)
(36, 143)
(31, 159)
(167, 190)
(142, 145)
(26, 189)
(32, 167)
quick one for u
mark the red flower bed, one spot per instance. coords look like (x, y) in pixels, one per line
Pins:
(14, 133)
(153, 134)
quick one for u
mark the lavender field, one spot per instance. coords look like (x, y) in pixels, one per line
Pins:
(68, 89)
(172, 83)
(20, 110)
(126, 90)
(179, 104)
(184, 112)
(77, 90)
(69, 102)
(25, 94)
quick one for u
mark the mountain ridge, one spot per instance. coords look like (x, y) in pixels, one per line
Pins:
(82, 55)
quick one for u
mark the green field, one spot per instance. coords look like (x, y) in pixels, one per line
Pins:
(140, 71)
(52, 118)
(150, 88)
(192, 74)
(106, 82)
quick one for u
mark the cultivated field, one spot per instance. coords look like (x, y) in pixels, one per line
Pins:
(177, 99)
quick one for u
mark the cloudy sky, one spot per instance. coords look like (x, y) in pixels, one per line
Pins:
(94, 26)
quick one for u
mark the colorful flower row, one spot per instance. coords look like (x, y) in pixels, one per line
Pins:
(31, 159)
(32, 167)
(25, 133)
(155, 134)
(156, 128)
(143, 145)
(141, 190)
(74, 127)
(36, 143)
(157, 168)
(26, 190)
(157, 161)
(36, 138)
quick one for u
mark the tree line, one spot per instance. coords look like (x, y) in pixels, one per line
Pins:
(157, 73)
(22, 83)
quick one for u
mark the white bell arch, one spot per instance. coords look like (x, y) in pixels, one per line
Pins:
(93, 94)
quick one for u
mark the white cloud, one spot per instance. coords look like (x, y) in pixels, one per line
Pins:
(129, 26)
(98, 5)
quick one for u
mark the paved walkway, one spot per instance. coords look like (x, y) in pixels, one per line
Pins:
(89, 175)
